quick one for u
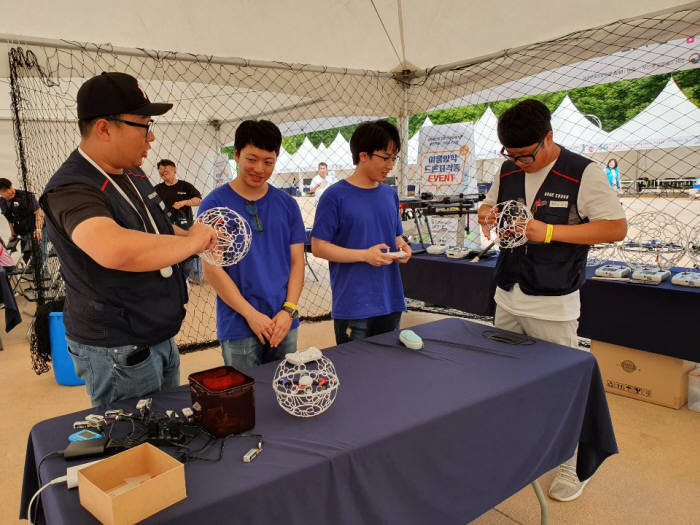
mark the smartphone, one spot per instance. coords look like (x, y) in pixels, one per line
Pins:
(139, 355)
(84, 435)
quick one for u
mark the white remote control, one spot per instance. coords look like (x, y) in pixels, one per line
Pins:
(397, 255)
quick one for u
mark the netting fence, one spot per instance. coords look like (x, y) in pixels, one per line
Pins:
(627, 91)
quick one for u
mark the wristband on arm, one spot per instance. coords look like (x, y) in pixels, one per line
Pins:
(548, 235)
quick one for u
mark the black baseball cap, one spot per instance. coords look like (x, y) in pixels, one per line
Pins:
(113, 93)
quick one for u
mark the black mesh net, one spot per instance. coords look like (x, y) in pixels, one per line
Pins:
(628, 91)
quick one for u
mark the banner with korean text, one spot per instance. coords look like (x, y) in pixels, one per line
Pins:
(447, 167)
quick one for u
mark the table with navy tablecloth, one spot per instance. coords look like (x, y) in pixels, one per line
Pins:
(654, 318)
(438, 435)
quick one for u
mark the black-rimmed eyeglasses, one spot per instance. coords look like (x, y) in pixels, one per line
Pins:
(523, 159)
(386, 158)
(148, 127)
(252, 209)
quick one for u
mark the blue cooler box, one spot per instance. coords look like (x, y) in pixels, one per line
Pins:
(63, 369)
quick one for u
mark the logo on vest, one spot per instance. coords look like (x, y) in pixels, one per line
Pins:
(558, 204)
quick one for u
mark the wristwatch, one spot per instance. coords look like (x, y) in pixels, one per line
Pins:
(291, 309)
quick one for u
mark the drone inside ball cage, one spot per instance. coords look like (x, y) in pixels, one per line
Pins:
(509, 220)
(233, 236)
(305, 383)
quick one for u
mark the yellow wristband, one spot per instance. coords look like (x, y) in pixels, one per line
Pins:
(548, 235)
(290, 305)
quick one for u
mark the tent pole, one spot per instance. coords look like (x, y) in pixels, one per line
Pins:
(402, 122)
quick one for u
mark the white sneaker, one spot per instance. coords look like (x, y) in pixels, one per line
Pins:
(566, 486)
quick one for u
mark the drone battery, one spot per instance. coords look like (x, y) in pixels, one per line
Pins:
(686, 279)
(223, 400)
(652, 276)
(612, 270)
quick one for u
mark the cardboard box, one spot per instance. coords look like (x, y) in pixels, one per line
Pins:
(131, 485)
(654, 378)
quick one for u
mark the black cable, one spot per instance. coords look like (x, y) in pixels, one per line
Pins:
(38, 467)
(508, 338)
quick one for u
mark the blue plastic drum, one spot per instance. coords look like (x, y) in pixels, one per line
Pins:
(63, 369)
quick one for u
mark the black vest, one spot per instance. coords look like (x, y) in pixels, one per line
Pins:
(19, 212)
(105, 307)
(545, 269)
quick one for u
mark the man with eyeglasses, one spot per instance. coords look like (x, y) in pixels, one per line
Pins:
(357, 222)
(256, 303)
(119, 253)
(573, 207)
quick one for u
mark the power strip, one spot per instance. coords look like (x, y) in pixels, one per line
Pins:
(72, 473)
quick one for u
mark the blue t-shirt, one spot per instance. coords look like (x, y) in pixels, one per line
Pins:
(359, 218)
(263, 274)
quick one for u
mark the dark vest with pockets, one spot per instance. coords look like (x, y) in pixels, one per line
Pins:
(106, 307)
(545, 269)
(19, 211)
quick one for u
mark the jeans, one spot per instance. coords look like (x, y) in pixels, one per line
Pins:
(243, 354)
(187, 266)
(353, 329)
(122, 372)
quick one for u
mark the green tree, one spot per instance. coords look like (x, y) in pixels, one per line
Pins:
(614, 104)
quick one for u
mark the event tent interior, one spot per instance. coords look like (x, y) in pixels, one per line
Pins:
(394, 68)
(318, 65)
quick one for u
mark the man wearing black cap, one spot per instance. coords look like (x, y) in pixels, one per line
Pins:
(573, 207)
(119, 253)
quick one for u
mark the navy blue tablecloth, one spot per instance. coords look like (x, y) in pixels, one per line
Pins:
(656, 319)
(441, 435)
(454, 283)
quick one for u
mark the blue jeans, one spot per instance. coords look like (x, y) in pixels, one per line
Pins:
(353, 329)
(243, 354)
(122, 372)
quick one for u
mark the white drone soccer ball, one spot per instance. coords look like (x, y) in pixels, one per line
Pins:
(305, 383)
(509, 219)
(233, 236)
(654, 242)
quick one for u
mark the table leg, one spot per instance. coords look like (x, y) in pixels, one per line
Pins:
(544, 509)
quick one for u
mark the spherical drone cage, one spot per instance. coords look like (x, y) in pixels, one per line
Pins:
(233, 236)
(601, 253)
(654, 240)
(510, 219)
(308, 389)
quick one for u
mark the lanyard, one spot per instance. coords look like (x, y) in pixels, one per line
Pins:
(165, 272)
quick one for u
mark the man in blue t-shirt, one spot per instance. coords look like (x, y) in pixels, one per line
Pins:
(357, 222)
(256, 304)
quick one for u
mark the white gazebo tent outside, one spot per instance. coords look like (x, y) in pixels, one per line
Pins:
(651, 144)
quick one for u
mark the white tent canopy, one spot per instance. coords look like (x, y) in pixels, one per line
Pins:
(354, 49)
(337, 155)
(574, 131)
(486, 141)
(412, 151)
(382, 35)
(670, 121)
